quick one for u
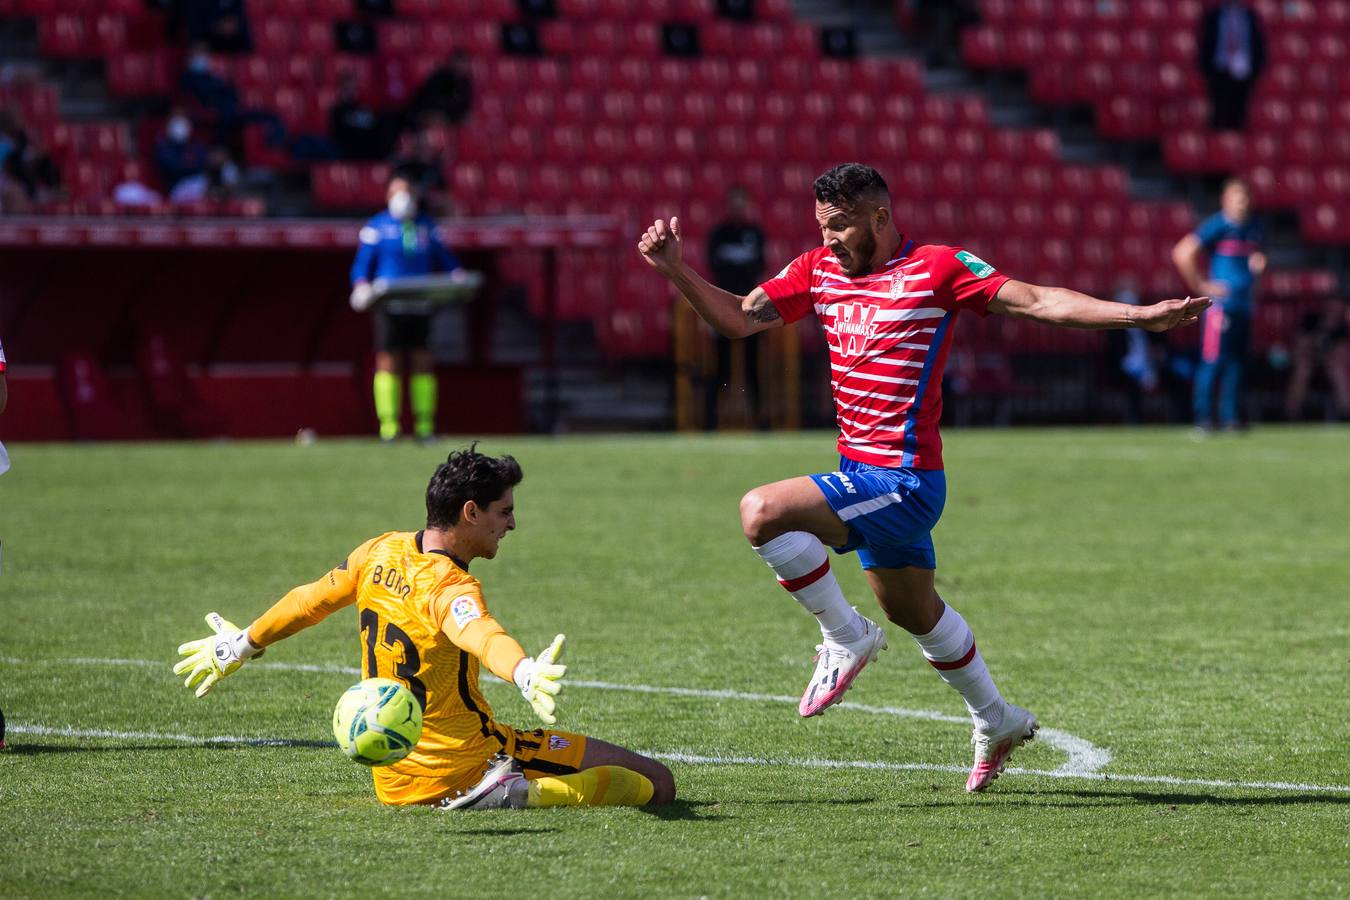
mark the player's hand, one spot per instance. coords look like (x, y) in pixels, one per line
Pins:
(660, 245)
(212, 658)
(540, 679)
(362, 296)
(1170, 314)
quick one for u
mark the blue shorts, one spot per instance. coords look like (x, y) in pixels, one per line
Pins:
(890, 513)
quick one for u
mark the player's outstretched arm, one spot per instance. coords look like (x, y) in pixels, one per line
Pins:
(1061, 306)
(730, 315)
(210, 659)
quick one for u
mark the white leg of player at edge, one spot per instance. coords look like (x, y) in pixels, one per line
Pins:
(1000, 727)
(849, 641)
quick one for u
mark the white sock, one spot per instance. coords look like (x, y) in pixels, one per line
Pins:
(802, 565)
(950, 648)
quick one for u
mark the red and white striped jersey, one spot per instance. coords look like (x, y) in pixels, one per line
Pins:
(889, 333)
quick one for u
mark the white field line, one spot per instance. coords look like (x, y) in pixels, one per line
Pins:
(1084, 757)
(1084, 760)
(1056, 773)
(695, 759)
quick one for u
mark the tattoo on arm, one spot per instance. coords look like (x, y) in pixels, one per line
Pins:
(762, 310)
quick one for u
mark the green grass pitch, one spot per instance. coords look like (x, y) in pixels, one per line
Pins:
(1180, 605)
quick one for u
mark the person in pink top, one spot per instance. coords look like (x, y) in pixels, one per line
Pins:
(887, 304)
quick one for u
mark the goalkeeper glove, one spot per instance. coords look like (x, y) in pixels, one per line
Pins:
(539, 680)
(212, 658)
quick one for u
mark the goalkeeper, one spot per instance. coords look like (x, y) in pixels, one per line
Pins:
(423, 622)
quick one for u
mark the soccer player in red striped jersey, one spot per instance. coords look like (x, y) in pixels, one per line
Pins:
(887, 304)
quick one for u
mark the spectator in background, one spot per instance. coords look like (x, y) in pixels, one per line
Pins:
(216, 182)
(422, 166)
(220, 24)
(736, 257)
(1322, 342)
(396, 243)
(939, 24)
(1233, 240)
(177, 155)
(359, 131)
(1232, 52)
(447, 93)
(217, 94)
(132, 192)
(28, 175)
(1137, 362)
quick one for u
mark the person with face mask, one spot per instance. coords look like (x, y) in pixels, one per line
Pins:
(399, 242)
(177, 156)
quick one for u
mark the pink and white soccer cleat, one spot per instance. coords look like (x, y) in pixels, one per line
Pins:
(993, 749)
(501, 787)
(836, 667)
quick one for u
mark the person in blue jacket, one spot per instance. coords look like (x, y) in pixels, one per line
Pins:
(397, 243)
(1234, 242)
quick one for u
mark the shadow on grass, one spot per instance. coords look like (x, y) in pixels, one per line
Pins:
(680, 811)
(506, 832)
(1191, 798)
(817, 801)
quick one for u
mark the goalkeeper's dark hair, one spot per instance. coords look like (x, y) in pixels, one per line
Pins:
(850, 184)
(468, 475)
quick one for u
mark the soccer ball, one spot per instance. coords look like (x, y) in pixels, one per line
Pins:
(377, 722)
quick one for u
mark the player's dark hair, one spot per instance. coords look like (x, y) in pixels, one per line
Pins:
(468, 475)
(847, 185)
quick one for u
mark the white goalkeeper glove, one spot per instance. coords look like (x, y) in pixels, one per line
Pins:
(539, 680)
(212, 658)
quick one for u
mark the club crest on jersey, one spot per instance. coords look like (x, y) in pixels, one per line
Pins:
(855, 322)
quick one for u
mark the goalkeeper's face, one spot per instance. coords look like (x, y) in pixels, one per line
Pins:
(493, 522)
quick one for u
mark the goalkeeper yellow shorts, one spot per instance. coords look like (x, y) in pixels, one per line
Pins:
(545, 751)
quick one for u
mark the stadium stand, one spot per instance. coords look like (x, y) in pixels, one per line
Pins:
(604, 118)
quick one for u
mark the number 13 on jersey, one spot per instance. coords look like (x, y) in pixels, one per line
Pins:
(405, 666)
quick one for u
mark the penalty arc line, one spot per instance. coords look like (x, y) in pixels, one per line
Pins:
(1083, 757)
(695, 759)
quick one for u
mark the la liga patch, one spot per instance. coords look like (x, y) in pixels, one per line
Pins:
(464, 610)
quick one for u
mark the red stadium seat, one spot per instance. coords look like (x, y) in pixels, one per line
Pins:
(315, 38)
(274, 37)
(63, 36)
(138, 74)
(1187, 151)
(983, 48)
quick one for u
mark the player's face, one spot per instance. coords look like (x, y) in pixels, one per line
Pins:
(1237, 202)
(495, 521)
(850, 234)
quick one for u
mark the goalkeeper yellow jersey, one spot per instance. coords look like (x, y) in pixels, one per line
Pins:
(422, 622)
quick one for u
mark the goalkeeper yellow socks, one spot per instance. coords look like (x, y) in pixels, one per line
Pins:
(599, 786)
(422, 390)
(387, 404)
